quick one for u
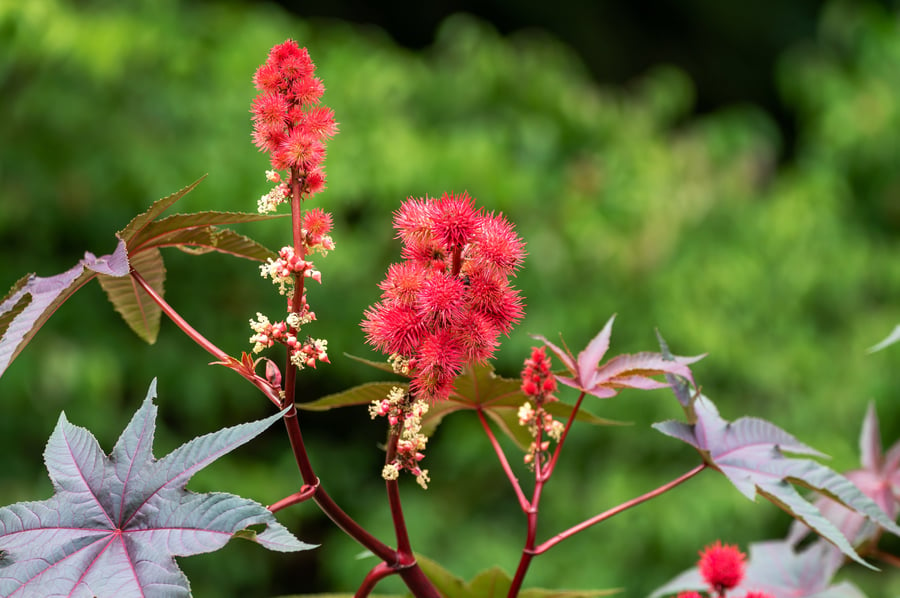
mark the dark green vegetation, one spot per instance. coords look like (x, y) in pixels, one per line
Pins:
(783, 272)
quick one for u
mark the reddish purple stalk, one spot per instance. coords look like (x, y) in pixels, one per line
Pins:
(542, 472)
(399, 561)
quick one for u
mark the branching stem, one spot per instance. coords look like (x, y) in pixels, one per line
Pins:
(616, 510)
(504, 463)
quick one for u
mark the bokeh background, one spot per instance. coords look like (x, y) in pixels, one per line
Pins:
(728, 175)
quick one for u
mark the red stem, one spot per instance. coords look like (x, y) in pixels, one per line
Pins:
(410, 572)
(504, 463)
(531, 516)
(222, 357)
(546, 472)
(616, 510)
(306, 492)
(393, 491)
(376, 574)
(178, 320)
(542, 473)
(290, 375)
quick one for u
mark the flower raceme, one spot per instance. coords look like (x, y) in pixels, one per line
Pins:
(292, 127)
(288, 122)
(446, 304)
(538, 384)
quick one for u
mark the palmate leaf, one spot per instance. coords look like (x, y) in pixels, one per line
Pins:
(478, 387)
(775, 568)
(196, 233)
(358, 395)
(139, 222)
(878, 478)
(750, 452)
(115, 522)
(33, 299)
(200, 229)
(622, 371)
(492, 583)
(138, 310)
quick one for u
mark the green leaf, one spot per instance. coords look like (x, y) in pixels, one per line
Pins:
(507, 419)
(492, 583)
(139, 222)
(200, 229)
(209, 238)
(358, 395)
(479, 387)
(384, 366)
(138, 310)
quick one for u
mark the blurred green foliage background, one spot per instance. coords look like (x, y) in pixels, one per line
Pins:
(782, 270)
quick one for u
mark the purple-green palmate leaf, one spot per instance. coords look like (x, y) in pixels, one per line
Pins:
(623, 371)
(775, 568)
(134, 305)
(477, 388)
(115, 522)
(750, 452)
(196, 233)
(878, 478)
(33, 299)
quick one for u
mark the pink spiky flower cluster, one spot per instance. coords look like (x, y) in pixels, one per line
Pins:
(288, 121)
(722, 568)
(447, 303)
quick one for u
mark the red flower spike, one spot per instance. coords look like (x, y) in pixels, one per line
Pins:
(288, 123)
(758, 595)
(427, 252)
(319, 121)
(317, 222)
(721, 566)
(267, 78)
(491, 296)
(537, 379)
(622, 371)
(315, 181)
(691, 594)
